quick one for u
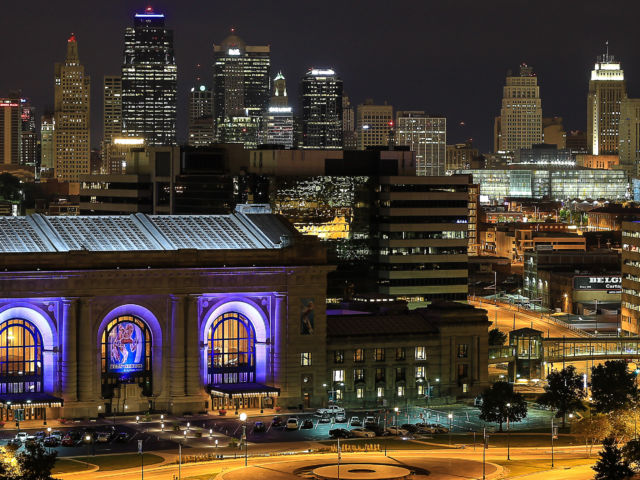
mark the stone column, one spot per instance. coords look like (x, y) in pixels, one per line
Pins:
(68, 346)
(279, 332)
(86, 349)
(177, 380)
(193, 352)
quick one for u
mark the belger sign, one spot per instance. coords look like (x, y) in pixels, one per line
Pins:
(611, 284)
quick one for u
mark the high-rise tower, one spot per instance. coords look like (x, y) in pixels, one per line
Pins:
(149, 80)
(607, 88)
(241, 89)
(425, 135)
(112, 114)
(201, 131)
(520, 122)
(277, 121)
(71, 103)
(321, 99)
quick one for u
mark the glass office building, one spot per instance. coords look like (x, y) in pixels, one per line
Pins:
(321, 93)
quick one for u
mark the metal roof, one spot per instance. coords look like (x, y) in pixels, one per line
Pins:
(236, 231)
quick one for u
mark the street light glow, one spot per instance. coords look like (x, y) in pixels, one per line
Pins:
(243, 416)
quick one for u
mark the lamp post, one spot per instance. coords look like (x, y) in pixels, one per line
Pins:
(395, 419)
(243, 418)
(162, 426)
(450, 416)
(508, 433)
(137, 418)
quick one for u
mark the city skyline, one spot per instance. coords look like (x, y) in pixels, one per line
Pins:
(461, 46)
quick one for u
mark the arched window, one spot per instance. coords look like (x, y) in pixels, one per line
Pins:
(231, 343)
(126, 354)
(20, 357)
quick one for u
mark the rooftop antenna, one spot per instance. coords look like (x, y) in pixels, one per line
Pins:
(607, 44)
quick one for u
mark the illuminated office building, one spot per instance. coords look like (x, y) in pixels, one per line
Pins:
(321, 100)
(47, 127)
(71, 139)
(10, 131)
(629, 154)
(112, 107)
(241, 89)
(374, 126)
(350, 137)
(201, 130)
(28, 135)
(425, 135)
(149, 80)
(520, 121)
(460, 156)
(277, 121)
(607, 88)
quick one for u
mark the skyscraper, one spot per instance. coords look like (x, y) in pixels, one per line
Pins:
(28, 134)
(374, 125)
(241, 89)
(47, 152)
(149, 80)
(607, 88)
(201, 131)
(277, 121)
(630, 135)
(10, 131)
(425, 135)
(520, 121)
(112, 101)
(321, 99)
(349, 136)
(71, 102)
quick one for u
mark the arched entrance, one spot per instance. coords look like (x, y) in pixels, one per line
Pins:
(231, 343)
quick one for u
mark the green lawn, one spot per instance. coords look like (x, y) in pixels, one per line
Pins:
(120, 461)
(516, 468)
(64, 465)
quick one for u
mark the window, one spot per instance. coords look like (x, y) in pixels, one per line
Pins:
(463, 371)
(338, 375)
(400, 390)
(379, 354)
(358, 375)
(380, 392)
(400, 353)
(380, 374)
(338, 394)
(20, 357)
(305, 359)
(463, 350)
(338, 356)
(231, 344)
(421, 353)
(400, 375)
(420, 372)
(465, 387)
(359, 392)
(358, 355)
(421, 390)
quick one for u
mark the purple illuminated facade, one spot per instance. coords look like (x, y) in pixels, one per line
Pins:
(179, 330)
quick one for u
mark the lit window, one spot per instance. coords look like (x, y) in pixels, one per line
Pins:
(305, 359)
(379, 354)
(358, 355)
(338, 356)
(400, 353)
(380, 392)
(420, 372)
(338, 394)
(359, 392)
(421, 390)
(421, 353)
(338, 375)
(400, 390)
(463, 350)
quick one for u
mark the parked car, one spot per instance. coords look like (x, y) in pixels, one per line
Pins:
(277, 422)
(21, 437)
(292, 423)
(307, 423)
(339, 433)
(68, 440)
(409, 427)
(355, 422)
(51, 441)
(440, 429)
(122, 437)
(56, 434)
(325, 419)
(361, 432)
(330, 410)
(103, 437)
(370, 421)
(341, 418)
(397, 431)
(259, 427)
(40, 436)
(14, 443)
(424, 428)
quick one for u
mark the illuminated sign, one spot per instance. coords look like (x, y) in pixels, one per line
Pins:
(234, 51)
(128, 141)
(279, 109)
(149, 15)
(9, 105)
(126, 348)
(322, 72)
(612, 284)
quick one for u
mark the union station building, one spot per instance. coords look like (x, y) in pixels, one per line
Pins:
(103, 315)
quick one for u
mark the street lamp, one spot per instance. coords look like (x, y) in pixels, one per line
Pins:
(450, 416)
(243, 418)
(395, 419)
(162, 426)
(188, 425)
(508, 434)
(137, 418)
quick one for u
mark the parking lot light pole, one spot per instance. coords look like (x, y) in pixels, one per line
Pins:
(395, 419)
(243, 419)
(508, 433)
(450, 416)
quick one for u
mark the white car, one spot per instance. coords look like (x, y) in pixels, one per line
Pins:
(370, 421)
(341, 418)
(21, 436)
(355, 422)
(292, 423)
(397, 431)
(330, 410)
(361, 432)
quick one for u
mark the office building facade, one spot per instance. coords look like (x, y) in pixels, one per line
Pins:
(374, 126)
(277, 121)
(201, 131)
(630, 319)
(47, 152)
(427, 137)
(520, 121)
(149, 80)
(10, 131)
(28, 134)
(321, 101)
(71, 137)
(460, 156)
(112, 107)
(607, 88)
(629, 153)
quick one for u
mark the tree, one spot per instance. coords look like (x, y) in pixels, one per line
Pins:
(631, 453)
(35, 463)
(494, 404)
(9, 467)
(497, 338)
(564, 392)
(613, 387)
(593, 430)
(611, 465)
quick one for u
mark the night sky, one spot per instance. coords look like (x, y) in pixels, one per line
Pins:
(446, 57)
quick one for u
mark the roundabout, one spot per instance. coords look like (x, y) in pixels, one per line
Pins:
(361, 471)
